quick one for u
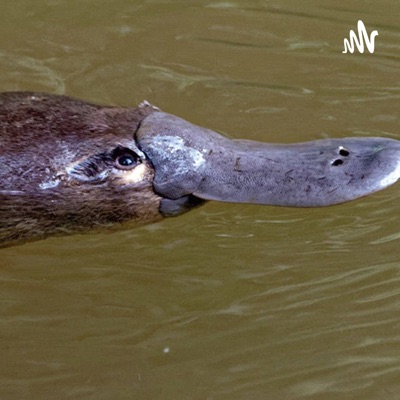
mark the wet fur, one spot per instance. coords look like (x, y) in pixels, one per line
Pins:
(40, 137)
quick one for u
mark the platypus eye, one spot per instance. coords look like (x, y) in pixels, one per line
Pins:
(125, 159)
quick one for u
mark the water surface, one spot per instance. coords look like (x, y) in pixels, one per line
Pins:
(229, 301)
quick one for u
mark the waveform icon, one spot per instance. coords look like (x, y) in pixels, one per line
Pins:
(360, 39)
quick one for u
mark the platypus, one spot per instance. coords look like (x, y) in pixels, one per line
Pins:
(68, 166)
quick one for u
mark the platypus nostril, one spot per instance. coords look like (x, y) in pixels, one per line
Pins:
(337, 162)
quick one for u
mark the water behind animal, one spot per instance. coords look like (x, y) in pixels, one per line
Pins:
(230, 301)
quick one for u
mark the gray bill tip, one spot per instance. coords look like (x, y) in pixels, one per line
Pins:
(190, 160)
(312, 174)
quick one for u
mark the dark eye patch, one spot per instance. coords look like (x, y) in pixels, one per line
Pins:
(96, 167)
(92, 168)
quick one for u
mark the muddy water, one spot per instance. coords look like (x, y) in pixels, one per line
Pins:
(229, 301)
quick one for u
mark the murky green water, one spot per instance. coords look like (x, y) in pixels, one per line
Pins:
(229, 301)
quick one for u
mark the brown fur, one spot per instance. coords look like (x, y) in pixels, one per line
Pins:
(41, 136)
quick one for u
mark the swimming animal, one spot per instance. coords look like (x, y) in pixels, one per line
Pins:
(68, 166)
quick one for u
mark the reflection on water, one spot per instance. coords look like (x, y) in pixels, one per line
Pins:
(228, 301)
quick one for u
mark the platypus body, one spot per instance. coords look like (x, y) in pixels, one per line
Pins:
(68, 166)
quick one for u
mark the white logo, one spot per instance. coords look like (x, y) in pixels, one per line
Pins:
(359, 41)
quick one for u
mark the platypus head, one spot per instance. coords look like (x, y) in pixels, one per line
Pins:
(68, 166)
